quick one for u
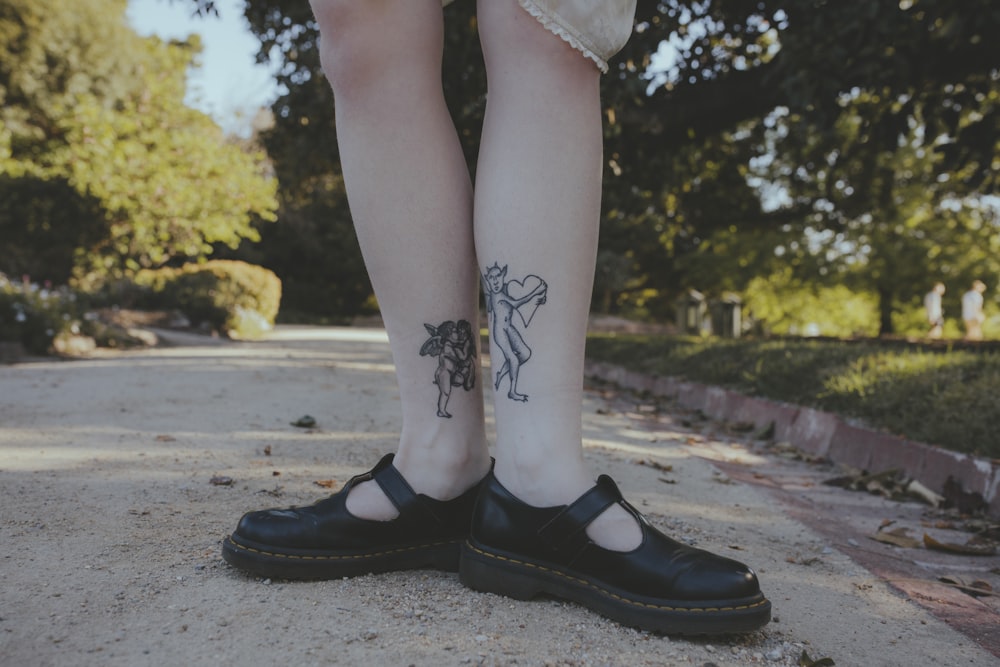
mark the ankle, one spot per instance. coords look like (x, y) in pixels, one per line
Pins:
(555, 482)
(542, 482)
(442, 473)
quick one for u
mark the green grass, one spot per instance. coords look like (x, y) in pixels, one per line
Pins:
(940, 396)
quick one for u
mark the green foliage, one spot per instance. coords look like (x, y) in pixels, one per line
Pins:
(850, 142)
(779, 304)
(43, 223)
(103, 169)
(232, 297)
(940, 396)
(783, 134)
(33, 315)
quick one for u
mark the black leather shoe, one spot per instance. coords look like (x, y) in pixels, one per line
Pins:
(325, 541)
(521, 551)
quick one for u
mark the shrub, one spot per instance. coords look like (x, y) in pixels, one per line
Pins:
(232, 297)
(34, 315)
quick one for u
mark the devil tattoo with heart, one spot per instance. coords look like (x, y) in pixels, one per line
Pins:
(503, 299)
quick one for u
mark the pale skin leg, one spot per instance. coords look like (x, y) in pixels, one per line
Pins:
(537, 208)
(411, 199)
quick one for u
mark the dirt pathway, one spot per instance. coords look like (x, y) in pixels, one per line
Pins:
(110, 527)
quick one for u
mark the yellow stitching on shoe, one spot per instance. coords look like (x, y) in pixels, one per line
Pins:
(609, 593)
(354, 557)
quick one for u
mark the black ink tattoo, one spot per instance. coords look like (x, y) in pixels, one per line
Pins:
(503, 299)
(452, 343)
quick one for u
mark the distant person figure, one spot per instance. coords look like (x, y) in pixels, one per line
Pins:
(972, 311)
(935, 315)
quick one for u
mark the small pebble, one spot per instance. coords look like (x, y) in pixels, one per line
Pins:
(775, 654)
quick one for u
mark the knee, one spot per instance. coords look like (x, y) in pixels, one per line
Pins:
(350, 39)
(513, 40)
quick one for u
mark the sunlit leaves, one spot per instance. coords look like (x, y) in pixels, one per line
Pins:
(90, 104)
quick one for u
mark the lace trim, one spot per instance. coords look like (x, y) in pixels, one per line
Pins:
(556, 26)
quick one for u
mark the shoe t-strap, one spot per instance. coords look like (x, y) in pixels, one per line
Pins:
(399, 491)
(566, 531)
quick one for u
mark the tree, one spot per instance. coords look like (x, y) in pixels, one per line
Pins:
(695, 171)
(887, 217)
(96, 142)
(912, 77)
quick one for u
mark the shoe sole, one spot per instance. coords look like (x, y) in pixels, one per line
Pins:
(268, 561)
(508, 575)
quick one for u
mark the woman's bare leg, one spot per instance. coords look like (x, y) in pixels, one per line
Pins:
(537, 209)
(411, 199)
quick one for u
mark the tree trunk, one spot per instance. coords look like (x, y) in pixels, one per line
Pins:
(885, 312)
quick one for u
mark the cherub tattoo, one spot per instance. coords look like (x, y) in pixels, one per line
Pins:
(503, 299)
(453, 345)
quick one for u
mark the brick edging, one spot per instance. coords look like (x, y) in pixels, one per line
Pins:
(822, 434)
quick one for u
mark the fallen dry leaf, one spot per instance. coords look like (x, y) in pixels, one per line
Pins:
(305, 421)
(969, 548)
(267, 450)
(964, 501)
(800, 560)
(976, 588)
(766, 433)
(655, 464)
(326, 483)
(986, 529)
(918, 490)
(221, 480)
(806, 661)
(898, 537)
(165, 438)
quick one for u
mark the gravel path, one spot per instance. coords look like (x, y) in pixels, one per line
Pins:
(111, 524)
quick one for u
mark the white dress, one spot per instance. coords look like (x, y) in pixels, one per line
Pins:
(597, 28)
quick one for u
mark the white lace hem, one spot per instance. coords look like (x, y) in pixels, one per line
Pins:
(557, 27)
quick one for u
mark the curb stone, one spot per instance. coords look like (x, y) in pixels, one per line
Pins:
(823, 434)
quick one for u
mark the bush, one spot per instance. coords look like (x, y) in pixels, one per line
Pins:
(779, 305)
(232, 297)
(34, 315)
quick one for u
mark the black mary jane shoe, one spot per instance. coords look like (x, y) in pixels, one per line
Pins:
(325, 541)
(664, 586)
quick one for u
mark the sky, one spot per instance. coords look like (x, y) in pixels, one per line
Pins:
(229, 85)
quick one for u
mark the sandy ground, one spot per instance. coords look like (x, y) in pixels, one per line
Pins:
(110, 526)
